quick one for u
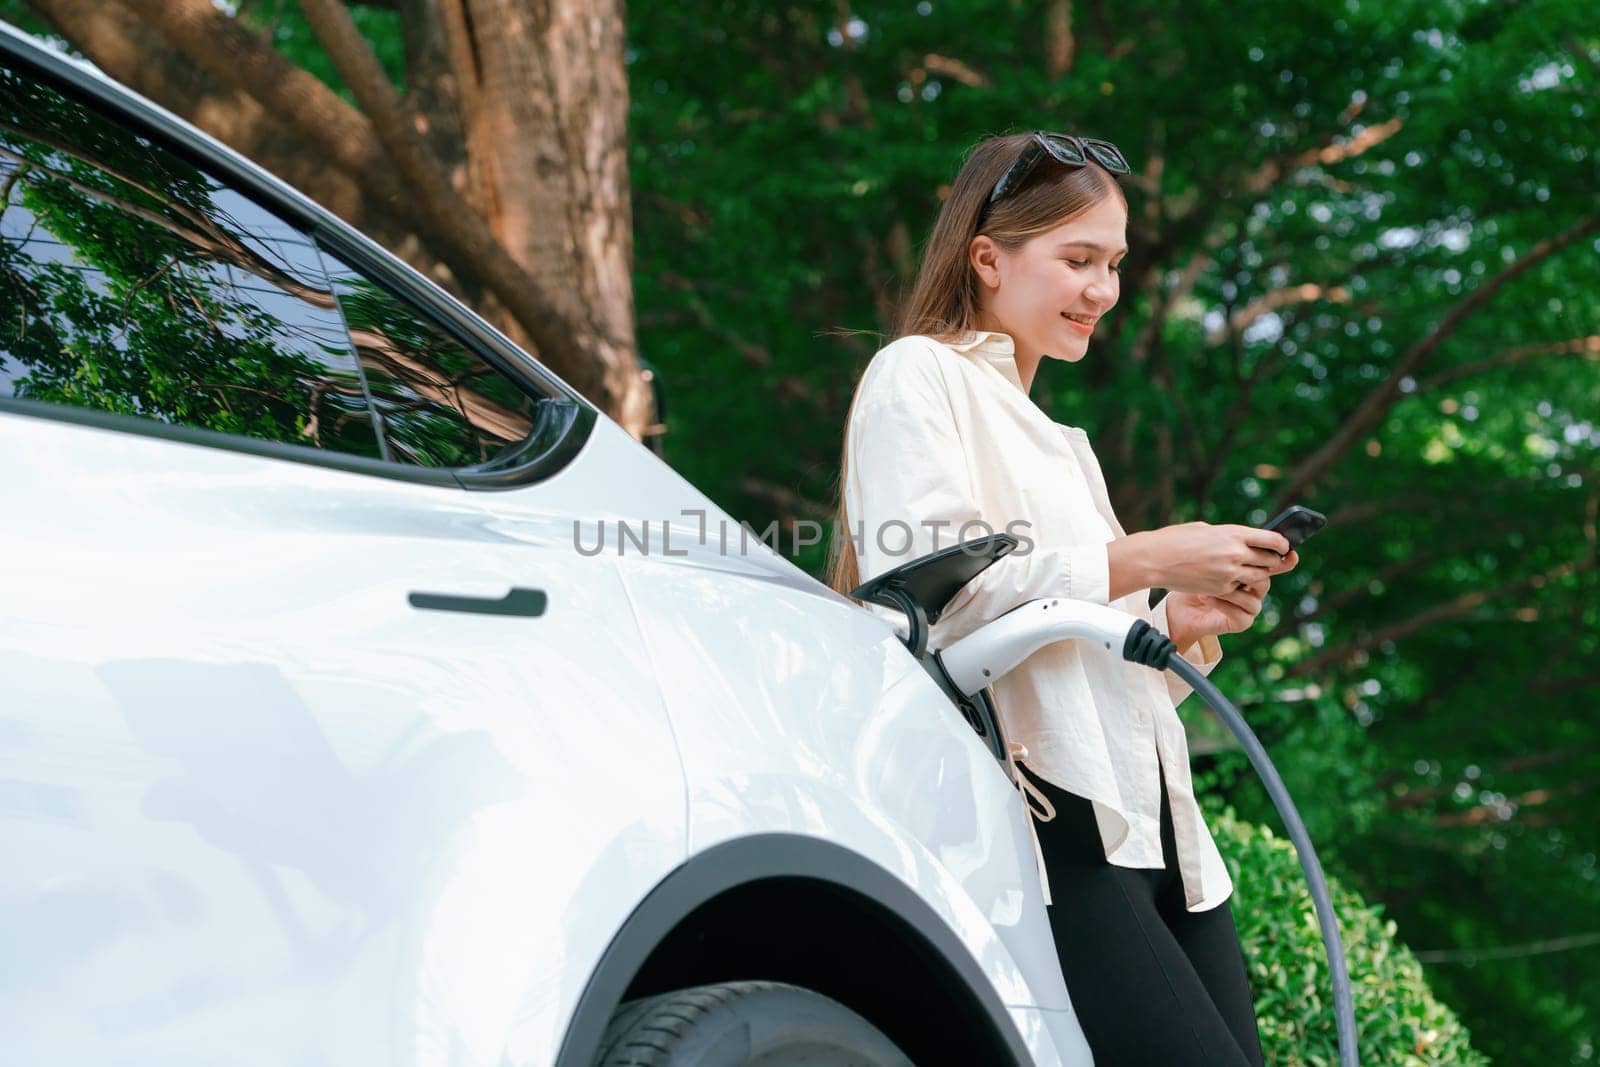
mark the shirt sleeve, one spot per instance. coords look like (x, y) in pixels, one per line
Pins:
(910, 491)
(1205, 653)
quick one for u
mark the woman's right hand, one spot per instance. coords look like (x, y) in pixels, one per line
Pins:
(1197, 557)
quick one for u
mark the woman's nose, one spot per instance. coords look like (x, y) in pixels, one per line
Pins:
(1100, 291)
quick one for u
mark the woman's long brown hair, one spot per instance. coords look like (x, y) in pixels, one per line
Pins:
(944, 300)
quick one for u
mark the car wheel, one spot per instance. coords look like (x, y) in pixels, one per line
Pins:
(736, 1024)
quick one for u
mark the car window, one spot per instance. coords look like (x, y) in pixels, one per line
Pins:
(438, 403)
(134, 283)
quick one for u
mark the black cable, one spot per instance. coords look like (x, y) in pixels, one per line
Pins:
(1343, 1002)
(1148, 646)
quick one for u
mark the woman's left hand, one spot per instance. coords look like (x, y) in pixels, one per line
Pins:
(1196, 615)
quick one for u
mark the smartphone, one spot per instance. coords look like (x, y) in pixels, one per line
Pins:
(1297, 524)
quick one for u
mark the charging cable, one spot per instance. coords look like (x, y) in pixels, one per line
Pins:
(975, 661)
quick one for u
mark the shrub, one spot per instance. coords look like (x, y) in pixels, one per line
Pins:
(1397, 1016)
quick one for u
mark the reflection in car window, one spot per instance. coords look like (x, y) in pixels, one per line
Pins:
(438, 403)
(134, 283)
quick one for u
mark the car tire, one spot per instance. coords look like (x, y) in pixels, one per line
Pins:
(735, 1024)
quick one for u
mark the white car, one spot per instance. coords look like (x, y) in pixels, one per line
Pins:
(350, 715)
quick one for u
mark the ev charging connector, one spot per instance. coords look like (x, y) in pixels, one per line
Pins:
(965, 670)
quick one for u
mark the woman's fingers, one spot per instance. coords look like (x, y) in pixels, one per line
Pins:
(1238, 618)
(1283, 565)
(1270, 558)
(1260, 588)
(1262, 548)
(1213, 560)
(1268, 540)
(1253, 573)
(1265, 557)
(1245, 599)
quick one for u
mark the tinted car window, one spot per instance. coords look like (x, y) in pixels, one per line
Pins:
(439, 404)
(132, 282)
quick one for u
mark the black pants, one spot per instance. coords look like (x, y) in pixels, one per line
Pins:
(1151, 982)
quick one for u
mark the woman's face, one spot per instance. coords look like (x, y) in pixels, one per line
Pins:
(1049, 293)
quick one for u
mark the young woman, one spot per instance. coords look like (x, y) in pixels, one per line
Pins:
(944, 441)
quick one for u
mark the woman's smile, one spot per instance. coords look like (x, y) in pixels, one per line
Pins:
(1079, 324)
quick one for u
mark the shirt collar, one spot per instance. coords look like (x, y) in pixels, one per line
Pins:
(994, 348)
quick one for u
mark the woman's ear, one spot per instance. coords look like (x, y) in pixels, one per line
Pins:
(984, 255)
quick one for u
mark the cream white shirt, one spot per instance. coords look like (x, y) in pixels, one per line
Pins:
(942, 435)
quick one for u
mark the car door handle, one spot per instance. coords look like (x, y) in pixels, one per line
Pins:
(528, 603)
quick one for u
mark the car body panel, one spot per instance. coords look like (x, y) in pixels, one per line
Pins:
(255, 800)
(258, 807)
(835, 731)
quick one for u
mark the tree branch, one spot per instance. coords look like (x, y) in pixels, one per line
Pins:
(1195, 220)
(955, 70)
(465, 62)
(1589, 347)
(235, 56)
(1567, 685)
(1270, 172)
(1515, 765)
(556, 324)
(1233, 421)
(238, 57)
(1168, 298)
(1578, 49)
(1059, 43)
(754, 354)
(1198, 220)
(208, 236)
(1450, 609)
(1485, 532)
(1207, 474)
(1488, 813)
(134, 54)
(1272, 300)
(376, 349)
(786, 500)
(1506, 952)
(1382, 397)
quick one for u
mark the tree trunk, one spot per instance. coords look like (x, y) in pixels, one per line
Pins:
(505, 177)
(545, 96)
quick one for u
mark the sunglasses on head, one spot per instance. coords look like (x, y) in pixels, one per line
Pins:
(1065, 149)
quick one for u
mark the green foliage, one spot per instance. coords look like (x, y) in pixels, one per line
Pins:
(282, 22)
(1344, 174)
(136, 284)
(1398, 1018)
(1324, 187)
(135, 292)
